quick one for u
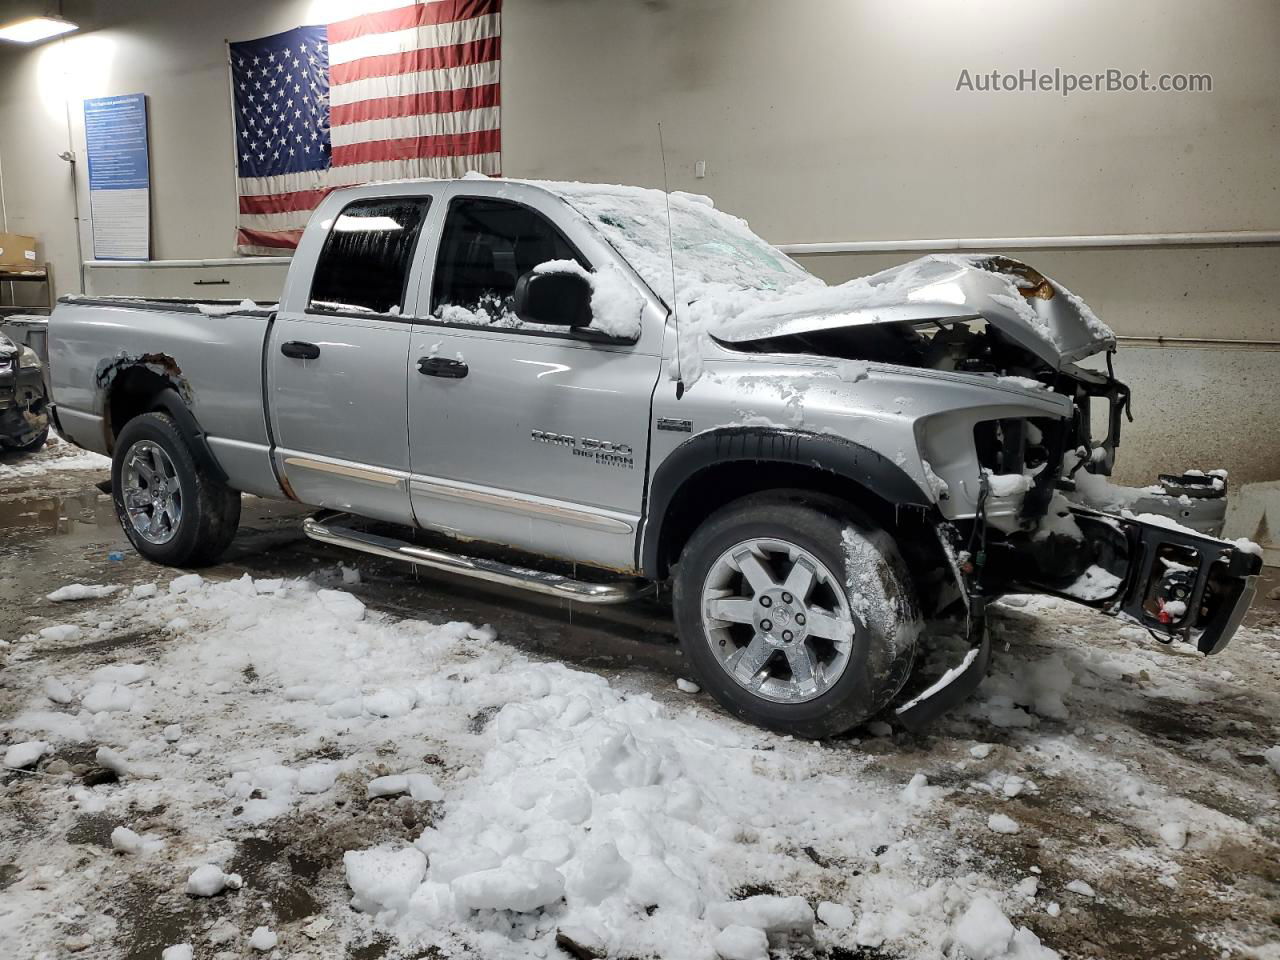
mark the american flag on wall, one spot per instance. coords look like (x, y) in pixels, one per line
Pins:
(409, 90)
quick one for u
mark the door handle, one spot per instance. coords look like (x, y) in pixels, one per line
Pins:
(300, 350)
(443, 367)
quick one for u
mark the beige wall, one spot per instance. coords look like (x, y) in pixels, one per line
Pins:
(819, 120)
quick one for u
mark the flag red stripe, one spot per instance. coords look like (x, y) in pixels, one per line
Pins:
(413, 61)
(284, 239)
(407, 18)
(415, 104)
(284, 202)
(405, 148)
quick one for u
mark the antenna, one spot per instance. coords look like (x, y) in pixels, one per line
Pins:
(671, 250)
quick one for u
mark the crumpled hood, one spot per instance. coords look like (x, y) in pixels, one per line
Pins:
(1028, 308)
(8, 349)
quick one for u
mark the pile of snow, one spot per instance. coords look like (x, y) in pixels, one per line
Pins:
(574, 806)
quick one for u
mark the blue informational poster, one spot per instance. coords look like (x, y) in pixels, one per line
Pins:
(115, 131)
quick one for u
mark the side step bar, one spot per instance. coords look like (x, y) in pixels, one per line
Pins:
(328, 528)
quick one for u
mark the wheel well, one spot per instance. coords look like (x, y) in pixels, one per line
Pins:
(134, 391)
(713, 487)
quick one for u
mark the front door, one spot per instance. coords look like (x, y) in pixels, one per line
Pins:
(337, 368)
(521, 434)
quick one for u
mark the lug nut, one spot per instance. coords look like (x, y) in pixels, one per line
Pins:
(766, 625)
(786, 598)
(786, 635)
(800, 619)
(765, 602)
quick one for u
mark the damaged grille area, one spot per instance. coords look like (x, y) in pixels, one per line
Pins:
(1030, 447)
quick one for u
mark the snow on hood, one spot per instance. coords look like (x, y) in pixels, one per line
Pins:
(1029, 308)
(736, 287)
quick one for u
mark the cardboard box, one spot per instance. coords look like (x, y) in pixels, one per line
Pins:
(17, 251)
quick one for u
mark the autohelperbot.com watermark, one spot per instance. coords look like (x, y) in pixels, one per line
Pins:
(1066, 82)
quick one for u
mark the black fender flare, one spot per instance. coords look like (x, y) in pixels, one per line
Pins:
(168, 401)
(861, 466)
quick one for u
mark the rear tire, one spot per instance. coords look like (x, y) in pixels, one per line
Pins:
(171, 512)
(796, 614)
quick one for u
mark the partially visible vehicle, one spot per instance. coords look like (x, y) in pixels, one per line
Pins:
(812, 469)
(24, 414)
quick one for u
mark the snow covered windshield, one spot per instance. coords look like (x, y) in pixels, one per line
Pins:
(712, 249)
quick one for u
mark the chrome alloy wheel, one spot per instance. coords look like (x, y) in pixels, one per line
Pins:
(778, 620)
(152, 494)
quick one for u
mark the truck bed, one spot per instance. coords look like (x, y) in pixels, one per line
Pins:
(209, 351)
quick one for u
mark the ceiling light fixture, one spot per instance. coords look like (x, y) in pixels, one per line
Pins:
(35, 29)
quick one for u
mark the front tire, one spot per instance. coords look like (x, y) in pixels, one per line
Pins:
(170, 511)
(796, 614)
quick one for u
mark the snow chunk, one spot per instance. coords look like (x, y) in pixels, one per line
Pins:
(263, 939)
(186, 583)
(741, 943)
(980, 751)
(81, 591)
(107, 698)
(342, 605)
(179, 951)
(835, 915)
(26, 754)
(1000, 823)
(209, 881)
(57, 691)
(765, 912)
(383, 878)
(318, 777)
(519, 884)
(420, 786)
(984, 932)
(60, 632)
(1080, 887)
(121, 673)
(1245, 545)
(127, 841)
(687, 686)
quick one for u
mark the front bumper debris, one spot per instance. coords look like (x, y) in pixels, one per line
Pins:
(1175, 582)
(953, 687)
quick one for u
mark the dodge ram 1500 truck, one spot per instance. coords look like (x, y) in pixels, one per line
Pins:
(593, 392)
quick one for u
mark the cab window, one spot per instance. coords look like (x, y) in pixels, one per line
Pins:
(486, 247)
(365, 263)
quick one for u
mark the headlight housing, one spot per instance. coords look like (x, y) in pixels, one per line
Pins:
(30, 360)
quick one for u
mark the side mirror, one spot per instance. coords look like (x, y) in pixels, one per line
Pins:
(560, 299)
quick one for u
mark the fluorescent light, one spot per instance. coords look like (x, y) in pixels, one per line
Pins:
(35, 29)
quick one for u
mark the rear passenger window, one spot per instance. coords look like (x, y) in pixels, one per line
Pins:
(487, 246)
(366, 258)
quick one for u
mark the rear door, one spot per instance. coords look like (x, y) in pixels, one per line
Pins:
(525, 435)
(337, 362)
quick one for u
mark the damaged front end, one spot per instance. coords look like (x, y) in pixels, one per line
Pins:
(24, 407)
(1020, 475)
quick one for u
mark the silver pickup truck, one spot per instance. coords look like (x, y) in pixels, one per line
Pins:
(595, 392)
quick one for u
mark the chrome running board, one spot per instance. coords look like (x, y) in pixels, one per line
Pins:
(328, 528)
